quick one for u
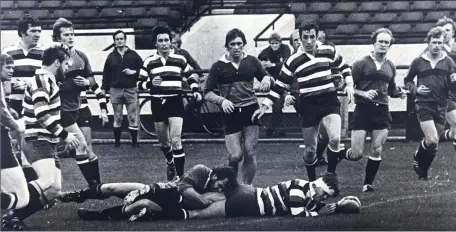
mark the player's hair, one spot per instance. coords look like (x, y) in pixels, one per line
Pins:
(176, 36)
(226, 172)
(308, 25)
(233, 34)
(275, 37)
(54, 53)
(435, 32)
(291, 35)
(59, 23)
(119, 32)
(25, 23)
(332, 182)
(6, 59)
(160, 30)
(444, 21)
(379, 31)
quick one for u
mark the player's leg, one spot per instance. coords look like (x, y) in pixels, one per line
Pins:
(310, 158)
(175, 111)
(85, 123)
(358, 138)
(322, 143)
(101, 192)
(450, 134)
(332, 123)
(234, 145)
(373, 162)
(432, 121)
(175, 128)
(116, 96)
(82, 156)
(41, 154)
(131, 103)
(249, 166)
(14, 185)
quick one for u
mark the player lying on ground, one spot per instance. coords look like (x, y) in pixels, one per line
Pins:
(294, 197)
(191, 186)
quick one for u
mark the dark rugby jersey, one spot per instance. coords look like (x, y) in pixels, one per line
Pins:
(437, 78)
(451, 51)
(234, 83)
(197, 177)
(25, 65)
(70, 93)
(314, 73)
(172, 72)
(367, 77)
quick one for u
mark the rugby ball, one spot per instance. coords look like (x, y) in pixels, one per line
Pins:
(349, 204)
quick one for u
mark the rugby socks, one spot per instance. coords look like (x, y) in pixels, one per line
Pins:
(134, 135)
(8, 200)
(93, 192)
(117, 134)
(86, 169)
(371, 169)
(234, 165)
(321, 146)
(35, 204)
(30, 174)
(311, 172)
(95, 169)
(423, 159)
(168, 151)
(179, 160)
(173, 213)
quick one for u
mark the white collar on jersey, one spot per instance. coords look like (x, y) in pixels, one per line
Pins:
(18, 44)
(424, 56)
(224, 59)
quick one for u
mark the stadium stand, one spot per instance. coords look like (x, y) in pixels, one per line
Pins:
(338, 18)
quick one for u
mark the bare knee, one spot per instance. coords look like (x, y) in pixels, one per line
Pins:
(310, 156)
(235, 157)
(356, 154)
(176, 143)
(117, 120)
(377, 151)
(334, 140)
(432, 143)
(54, 191)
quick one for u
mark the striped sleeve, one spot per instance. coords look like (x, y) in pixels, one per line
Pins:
(143, 83)
(301, 205)
(101, 97)
(192, 78)
(42, 108)
(5, 116)
(343, 67)
(282, 84)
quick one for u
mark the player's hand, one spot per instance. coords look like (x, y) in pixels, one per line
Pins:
(81, 81)
(350, 91)
(403, 92)
(198, 96)
(423, 90)
(13, 113)
(259, 113)
(370, 94)
(328, 209)
(129, 71)
(289, 100)
(19, 85)
(156, 81)
(71, 141)
(265, 84)
(104, 118)
(227, 106)
(453, 77)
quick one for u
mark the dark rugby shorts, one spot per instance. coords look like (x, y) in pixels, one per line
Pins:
(69, 118)
(369, 117)
(84, 117)
(166, 107)
(435, 111)
(313, 109)
(240, 118)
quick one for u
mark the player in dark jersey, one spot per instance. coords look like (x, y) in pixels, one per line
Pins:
(294, 197)
(78, 78)
(193, 186)
(435, 72)
(373, 76)
(450, 48)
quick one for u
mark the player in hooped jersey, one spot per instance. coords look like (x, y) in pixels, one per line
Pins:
(166, 71)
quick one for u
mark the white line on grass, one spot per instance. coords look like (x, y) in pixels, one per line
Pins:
(401, 198)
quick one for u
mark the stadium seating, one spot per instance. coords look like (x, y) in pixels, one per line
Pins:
(339, 17)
